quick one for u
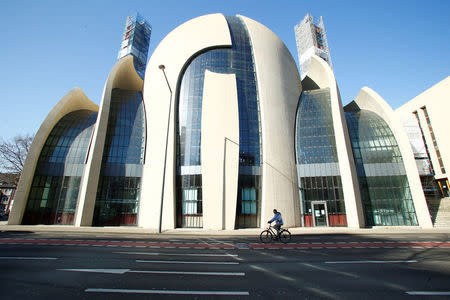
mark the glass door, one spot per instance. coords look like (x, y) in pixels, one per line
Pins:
(320, 215)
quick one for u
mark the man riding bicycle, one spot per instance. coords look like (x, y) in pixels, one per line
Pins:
(279, 221)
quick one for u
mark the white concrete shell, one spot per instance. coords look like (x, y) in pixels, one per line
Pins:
(174, 52)
(220, 150)
(123, 75)
(279, 89)
(368, 99)
(72, 101)
(321, 73)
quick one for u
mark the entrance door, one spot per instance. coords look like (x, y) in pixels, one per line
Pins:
(320, 215)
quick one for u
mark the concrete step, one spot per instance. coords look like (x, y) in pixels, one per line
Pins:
(441, 225)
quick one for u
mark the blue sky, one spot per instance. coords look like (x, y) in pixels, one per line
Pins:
(398, 48)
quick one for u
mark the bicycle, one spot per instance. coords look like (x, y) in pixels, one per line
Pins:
(270, 234)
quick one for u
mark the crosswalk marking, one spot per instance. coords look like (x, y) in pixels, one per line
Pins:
(186, 262)
(179, 254)
(168, 292)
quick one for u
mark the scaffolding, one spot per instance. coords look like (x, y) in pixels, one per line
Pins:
(136, 41)
(311, 39)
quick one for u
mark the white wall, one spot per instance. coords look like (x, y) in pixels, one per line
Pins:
(220, 150)
(279, 89)
(174, 52)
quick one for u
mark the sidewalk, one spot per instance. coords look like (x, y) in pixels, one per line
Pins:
(238, 232)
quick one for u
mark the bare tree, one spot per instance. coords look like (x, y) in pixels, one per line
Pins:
(14, 152)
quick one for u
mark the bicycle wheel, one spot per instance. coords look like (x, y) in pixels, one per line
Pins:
(285, 236)
(266, 236)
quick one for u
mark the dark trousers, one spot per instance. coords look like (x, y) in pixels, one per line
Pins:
(277, 228)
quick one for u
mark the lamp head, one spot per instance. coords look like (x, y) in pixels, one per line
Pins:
(162, 67)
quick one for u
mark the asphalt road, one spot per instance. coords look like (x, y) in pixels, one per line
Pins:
(114, 266)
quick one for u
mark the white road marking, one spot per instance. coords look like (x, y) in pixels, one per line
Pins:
(123, 271)
(192, 273)
(108, 271)
(167, 292)
(429, 293)
(371, 261)
(179, 254)
(186, 262)
(29, 258)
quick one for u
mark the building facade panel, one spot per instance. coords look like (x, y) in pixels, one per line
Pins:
(220, 151)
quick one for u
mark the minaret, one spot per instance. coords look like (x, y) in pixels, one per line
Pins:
(136, 39)
(311, 39)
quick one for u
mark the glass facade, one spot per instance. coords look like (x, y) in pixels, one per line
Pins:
(315, 133)
(56, 182)
(123, 156)
(317, 161)
(239, 61)
(382, 177)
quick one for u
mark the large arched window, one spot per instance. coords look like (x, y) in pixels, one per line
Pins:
(56, 182)
(321, 194)
(239, 61)
(382, 177)
(123, 156)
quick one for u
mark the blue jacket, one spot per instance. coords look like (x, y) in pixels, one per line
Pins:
(277, 218)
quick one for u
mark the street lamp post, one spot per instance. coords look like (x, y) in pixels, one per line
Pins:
(162, 68)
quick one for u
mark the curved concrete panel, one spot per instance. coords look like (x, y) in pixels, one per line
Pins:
(220, 150)
(279, 89)
(174, 52)
(368, 99)
(72, 101)
(123, 75)
(322, 75)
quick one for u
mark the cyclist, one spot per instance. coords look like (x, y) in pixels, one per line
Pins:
(279, 221)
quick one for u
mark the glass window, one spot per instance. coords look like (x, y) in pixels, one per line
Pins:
(316, 146)
(59, 169)
(383, 194)
(117, 200)
(236, 60)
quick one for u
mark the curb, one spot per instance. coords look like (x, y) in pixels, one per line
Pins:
(206, 232)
